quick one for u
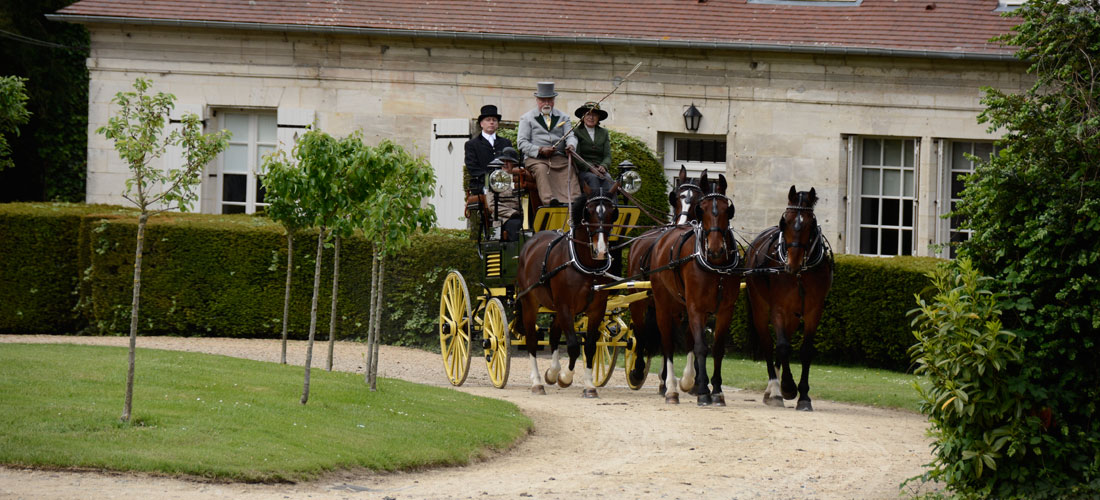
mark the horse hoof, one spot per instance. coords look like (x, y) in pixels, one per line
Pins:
(790, 392)
(662, 390)
(538, 389)
(672, 398)
(718, 399)
(704, 400)
(687, 387)
(634, 379)
(563, 384)
(589, 394)
(549, 380)
(804, 405)
(776, 402)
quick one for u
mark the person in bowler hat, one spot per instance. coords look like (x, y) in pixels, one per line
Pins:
(506, 204)
(540, 140)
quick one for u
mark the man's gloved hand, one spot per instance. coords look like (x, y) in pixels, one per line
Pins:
(546, 152)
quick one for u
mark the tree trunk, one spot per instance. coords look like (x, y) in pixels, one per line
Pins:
(332, 317)
(134, 308)
(286, 297)
(377, 324)
(313, 311)
(371, 311)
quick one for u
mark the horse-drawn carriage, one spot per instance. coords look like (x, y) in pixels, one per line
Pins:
(680, 273)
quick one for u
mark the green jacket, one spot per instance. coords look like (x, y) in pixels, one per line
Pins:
(597, 151)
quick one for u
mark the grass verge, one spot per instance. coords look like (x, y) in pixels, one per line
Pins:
(229, 418)
(865, 386)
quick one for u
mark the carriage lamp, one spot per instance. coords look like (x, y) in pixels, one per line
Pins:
(692, 117)
(629, 179)
(499, 180)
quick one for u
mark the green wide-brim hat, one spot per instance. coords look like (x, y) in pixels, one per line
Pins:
(595, 107)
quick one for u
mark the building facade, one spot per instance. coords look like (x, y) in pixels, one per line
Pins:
(880, 130)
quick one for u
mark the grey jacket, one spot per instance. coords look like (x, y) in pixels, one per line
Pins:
(533, 132)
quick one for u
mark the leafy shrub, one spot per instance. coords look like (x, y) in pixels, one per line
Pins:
(972, 397)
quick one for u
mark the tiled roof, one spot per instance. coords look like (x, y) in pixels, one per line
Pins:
(944, 27)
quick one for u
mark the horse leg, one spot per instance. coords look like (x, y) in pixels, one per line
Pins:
(760, 325)
(591, 337)
(785, 324)
(687, 381)
(643, 314)
(551, 375)
(722, 322)
(697, 322)
(573, 347)
(528, 314)
(806, 355)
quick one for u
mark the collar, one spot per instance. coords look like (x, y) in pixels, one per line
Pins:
(491, 138)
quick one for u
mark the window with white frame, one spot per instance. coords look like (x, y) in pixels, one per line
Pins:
(240, 190)
(696, 153)
(882, 192)
(956, 166)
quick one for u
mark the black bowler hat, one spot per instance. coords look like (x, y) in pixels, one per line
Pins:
(487, 111)
(510, 154)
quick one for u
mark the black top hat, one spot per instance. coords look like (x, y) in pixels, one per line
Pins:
(509, 154)
(595, 107)
(487, 111)
(545, 90)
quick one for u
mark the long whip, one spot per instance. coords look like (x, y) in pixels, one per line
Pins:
(617, 85)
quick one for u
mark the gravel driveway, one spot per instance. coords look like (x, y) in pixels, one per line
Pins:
(627, 444)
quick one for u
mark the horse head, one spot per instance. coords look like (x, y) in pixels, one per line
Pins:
(594, 214)
(682, 197)
(798, 228)
(713, 212)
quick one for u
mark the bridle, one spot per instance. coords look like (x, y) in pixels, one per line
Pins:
(814, 249)
(705, 232)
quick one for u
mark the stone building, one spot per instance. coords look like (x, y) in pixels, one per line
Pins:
(871, 102)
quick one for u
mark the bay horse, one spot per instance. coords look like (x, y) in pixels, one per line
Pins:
(681, 198)
(791, 271)
(558, 270)
(695, 273)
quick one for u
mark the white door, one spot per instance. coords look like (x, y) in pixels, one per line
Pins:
(449, 138)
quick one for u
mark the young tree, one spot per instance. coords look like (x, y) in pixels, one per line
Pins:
(13, 113)
(393, 212)
(1035, 211)
(285, 185)
(137, 131)
(324, 162)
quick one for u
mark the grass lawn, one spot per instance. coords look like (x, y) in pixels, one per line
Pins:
(866, 386)
(222, 417)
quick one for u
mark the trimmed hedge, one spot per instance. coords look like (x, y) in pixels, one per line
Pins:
(223, 275)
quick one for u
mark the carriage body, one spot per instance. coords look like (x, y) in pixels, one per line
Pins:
(483, 322)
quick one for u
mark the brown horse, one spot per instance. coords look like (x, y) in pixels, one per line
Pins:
(792, 270)
(681, 198)
(558, 270)
(695, 273)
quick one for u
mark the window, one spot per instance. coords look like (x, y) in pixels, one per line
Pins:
(696, 153)
(882, 193)
(240, 190)
(957, 166)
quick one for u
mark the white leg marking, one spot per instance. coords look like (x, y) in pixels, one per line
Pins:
(687, 382)
(555, 367)
(589, 382)
(773, 390)
(670, 379)
(536, 380)
(566, 377)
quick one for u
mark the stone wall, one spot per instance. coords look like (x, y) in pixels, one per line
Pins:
(784, 116)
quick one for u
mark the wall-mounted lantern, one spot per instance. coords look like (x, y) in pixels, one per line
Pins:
(692, 117)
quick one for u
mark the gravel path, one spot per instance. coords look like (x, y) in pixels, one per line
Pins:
(627, 444)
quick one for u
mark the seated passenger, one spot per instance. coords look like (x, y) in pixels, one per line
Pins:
(507, 202)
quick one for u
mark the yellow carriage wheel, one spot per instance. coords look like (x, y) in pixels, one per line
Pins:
(454, 328)
(604, 364)
(496, 330)
(630, 355)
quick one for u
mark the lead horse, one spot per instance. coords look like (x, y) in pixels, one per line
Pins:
(558, 270)
(791, 271)
(695, 273)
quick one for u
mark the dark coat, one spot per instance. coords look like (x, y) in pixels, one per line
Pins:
(596, 152)
(478, 155)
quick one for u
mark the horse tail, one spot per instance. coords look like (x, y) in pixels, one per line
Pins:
(652, 334)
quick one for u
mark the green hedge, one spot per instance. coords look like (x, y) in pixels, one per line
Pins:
(223, 275)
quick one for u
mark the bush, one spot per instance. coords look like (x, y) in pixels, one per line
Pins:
(972, 397)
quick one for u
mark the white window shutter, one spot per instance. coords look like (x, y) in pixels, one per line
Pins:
(853, 172)
(173, 156)
(292, 123)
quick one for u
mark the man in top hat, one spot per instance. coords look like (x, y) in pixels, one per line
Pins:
(483, 148)
(540, 139)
